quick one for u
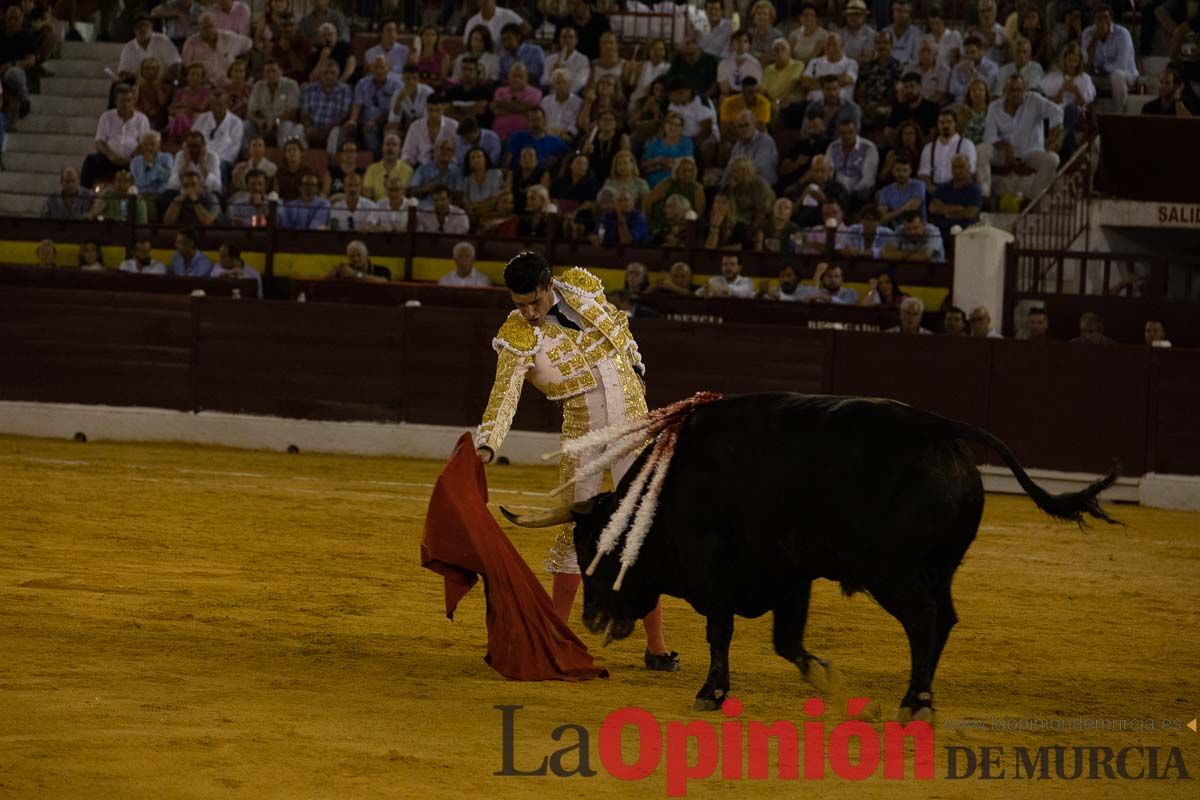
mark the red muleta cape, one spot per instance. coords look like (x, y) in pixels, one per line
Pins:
(526, 640)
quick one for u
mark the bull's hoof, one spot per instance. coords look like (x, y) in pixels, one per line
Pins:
(919, 714)
(918, 708)
(820, 674)
(711, 702)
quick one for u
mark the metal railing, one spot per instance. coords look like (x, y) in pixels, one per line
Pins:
(1059, 215)
(1131, 286)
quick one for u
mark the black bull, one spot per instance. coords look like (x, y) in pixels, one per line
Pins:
(768, 492)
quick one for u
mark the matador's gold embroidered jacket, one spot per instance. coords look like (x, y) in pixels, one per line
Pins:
(558, 361)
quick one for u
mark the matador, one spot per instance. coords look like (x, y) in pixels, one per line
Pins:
(575, 347)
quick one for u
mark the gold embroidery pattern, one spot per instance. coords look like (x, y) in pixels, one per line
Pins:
(576, 422)
(502, 404)
(517, 336)
(570, 388)
(584, 292)
(580, 282)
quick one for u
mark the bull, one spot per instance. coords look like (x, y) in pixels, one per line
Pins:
(767, 492)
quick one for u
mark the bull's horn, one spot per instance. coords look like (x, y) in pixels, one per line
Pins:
(552, 516)
(541, 519)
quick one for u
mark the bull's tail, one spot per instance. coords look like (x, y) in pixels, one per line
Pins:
(1068, 506)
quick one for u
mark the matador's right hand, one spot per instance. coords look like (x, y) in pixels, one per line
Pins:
(485, 454)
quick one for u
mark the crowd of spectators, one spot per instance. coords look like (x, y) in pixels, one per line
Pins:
(816, 135)
(756, 137)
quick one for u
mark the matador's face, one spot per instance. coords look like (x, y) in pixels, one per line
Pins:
(535, 305)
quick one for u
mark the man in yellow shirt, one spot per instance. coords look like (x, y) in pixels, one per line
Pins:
(374, 185)
(782, 74)
(748, 99)
(575, 347)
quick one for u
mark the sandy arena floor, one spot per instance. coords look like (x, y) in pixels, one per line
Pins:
(197, 622)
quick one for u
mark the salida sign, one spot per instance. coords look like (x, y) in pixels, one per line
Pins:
(853, 750)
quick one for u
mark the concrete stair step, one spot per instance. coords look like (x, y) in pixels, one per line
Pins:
(78, 68)
(78, 87)
(76, 145)
(52, 163)
(108, 52)
(21, 205)
(40, 183)
(65, 105)
(49, 123)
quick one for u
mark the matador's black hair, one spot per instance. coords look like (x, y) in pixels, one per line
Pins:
(527, 272)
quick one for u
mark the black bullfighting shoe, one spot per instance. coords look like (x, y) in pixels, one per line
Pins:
(667, 662)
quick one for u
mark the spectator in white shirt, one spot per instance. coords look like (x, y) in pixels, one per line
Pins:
(699, 118)
(391, 212)
(395, 53)
(561, 106)
(141, 260)
(215, 49)
(1013, 134)
(195, 157)
(147, 44)
(855, 161)
(1023, 65)
(494, 19)
(118, 135)
(566, 57)
(834, 62)
(905, 35)
(424, 133)
(911, 311)
(443, 217)
(1072, 88)
(949, 43)
(935, 76)
(352, 211)
(730, 283)
(981, 324)
(937, 157)
(720, 29)
(223, 130)
(464, 273)
(972, 65)
(1108, 51)
(232, 15)
(808, 38)
(738, 65)
(991, 33)
(231, 267)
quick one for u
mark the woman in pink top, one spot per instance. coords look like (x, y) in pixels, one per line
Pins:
(190, 99)
(512, 102)
(433, 63)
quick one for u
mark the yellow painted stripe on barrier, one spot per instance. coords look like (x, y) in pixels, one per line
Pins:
(315, 266)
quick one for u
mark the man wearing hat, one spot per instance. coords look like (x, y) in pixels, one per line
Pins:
(858, 38)
(575, 347)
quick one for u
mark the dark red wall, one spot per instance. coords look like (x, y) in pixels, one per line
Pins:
(1059, 406)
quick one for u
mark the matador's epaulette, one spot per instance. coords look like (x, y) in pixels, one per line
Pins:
(517, 336)
(580, 281)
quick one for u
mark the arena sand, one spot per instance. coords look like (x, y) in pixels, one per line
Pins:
(198, 622)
